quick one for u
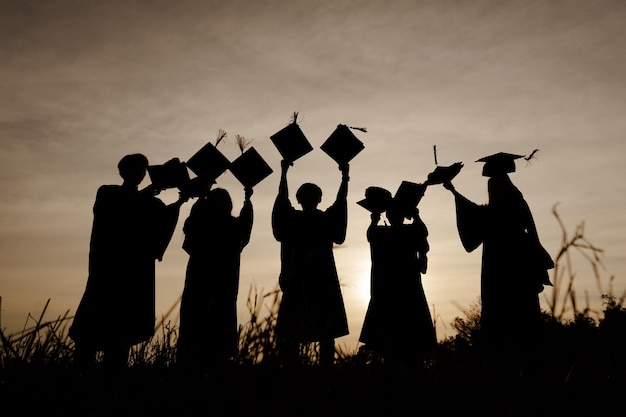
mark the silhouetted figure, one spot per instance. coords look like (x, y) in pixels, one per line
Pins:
(514, 263)
(131, 229)
(398, 325)
(312, 308)
(214, 240)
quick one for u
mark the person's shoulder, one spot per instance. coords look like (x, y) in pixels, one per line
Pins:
(380, 233)
(314, 214)
(110, 187)
(106, 190)
(381, 229)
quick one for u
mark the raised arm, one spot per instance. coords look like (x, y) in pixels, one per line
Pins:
(283, 189)
(342, 194)
(448, 186)
(165, 223)
(246, 217)
(470, 219)
(420, 232)
(339, 210)
(282, 206)
(375, 218)
(459, 198)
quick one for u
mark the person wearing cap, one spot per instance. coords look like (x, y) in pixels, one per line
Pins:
(514, 263)
(312, 307)
(398, 325)
(131, 229)
(214, 240)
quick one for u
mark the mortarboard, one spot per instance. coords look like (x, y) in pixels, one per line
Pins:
(197, 187)
(408, 196)
(291, 142)
(172, 174)
(377, 199)
(342, 145)
(208, 163)
(444, 174)
(499, 163)
(250, 168)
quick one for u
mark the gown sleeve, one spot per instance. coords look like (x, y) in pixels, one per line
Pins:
(167, 219)
(246, 217)
(470, 222)
(338, 214)
(282, 211)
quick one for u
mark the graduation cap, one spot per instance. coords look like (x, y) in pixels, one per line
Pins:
(172, 174)
(443, 174)
(342, 145)
(196, 187)
(208, 163)
(499, 163)
(408, 196)
(250, 168)
(377, 199)
(291, 142)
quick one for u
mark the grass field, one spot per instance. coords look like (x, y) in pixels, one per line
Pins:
(581, 367)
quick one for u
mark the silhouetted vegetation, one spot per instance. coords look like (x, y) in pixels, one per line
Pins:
(580, 364)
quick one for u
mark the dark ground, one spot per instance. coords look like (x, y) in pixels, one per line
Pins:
(309, 391)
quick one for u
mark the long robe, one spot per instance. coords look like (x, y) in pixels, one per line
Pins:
(131, 229)
(514, 264)
(311, 307)
(208, 313)
(398, 322)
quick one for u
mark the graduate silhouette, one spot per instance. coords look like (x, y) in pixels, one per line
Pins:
(398, 325)
(514, 263)
(131, 229)
(214, 240)
(311, 308)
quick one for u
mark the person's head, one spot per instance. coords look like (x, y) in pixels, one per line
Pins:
(132, 168)
(309, 196)
(501, 190)
(499, 164)
(220, 203)
(395, 214)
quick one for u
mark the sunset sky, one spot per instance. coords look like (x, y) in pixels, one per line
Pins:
(84, 83)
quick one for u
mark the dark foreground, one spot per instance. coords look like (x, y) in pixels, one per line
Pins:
(309, 391)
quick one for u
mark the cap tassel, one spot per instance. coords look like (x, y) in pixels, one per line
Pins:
(221, 135)
(532, 155)
(242, 142)
(362, 129)
(294, 118)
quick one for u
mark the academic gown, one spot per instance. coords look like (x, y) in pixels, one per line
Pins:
(131, 229)
(208, 313)
(312, 306)
(514, 263)
(398, 321)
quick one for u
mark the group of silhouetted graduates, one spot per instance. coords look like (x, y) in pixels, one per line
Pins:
(132, 228)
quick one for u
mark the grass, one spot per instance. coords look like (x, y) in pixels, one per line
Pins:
(581, 366)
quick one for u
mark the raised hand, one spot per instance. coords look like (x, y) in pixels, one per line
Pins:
(285, 164)
(345, 170)
(248, 191)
